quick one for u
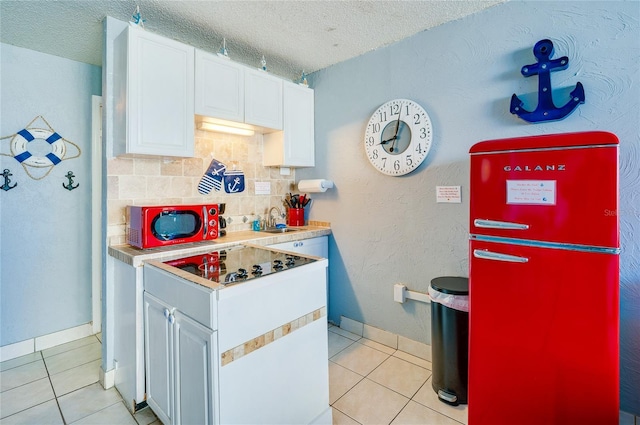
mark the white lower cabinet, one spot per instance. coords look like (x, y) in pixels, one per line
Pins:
(158, 349)
(249, 353)
(194, 363)
(180, 356)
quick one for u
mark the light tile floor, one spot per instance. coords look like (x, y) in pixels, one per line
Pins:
(371, 383)
(60, 386)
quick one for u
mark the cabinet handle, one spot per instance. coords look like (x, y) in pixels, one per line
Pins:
(169, 315)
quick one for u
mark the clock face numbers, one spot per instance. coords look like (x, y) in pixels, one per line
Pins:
(398, 137)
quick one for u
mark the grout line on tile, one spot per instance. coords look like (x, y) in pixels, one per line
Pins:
(431, 408)
(347, 415)
(400, 411)
(380, 351)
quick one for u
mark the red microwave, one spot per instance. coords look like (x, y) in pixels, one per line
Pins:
(154, 226)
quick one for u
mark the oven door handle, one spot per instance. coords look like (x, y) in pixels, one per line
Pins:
(205, 227)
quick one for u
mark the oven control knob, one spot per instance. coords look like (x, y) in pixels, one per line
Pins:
(242, 273)
(213, 223)
(277, 264)
(257, 269)
(213, 211)
(290, 261)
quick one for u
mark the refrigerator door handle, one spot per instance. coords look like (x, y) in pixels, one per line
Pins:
(493, 224)
(496, 256)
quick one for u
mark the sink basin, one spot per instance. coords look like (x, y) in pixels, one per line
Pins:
(279, 230)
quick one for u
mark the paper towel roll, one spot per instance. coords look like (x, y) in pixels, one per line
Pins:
(317, 185)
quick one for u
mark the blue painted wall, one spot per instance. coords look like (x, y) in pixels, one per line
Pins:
(388, 229)
(45, 230)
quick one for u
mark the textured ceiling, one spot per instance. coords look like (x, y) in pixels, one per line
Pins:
(292, 35)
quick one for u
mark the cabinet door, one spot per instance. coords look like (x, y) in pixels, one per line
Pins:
(159, 93)
(295, 145)
(194, 361)
(298, 125)
(219, 87)
(263, 99)
(158, 356)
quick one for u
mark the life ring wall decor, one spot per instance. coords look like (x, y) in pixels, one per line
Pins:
(20, 148)
(39, 130)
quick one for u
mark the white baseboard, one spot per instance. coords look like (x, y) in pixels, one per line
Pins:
(387, 338)
(107, 379)
(11, 351)
(17, 349)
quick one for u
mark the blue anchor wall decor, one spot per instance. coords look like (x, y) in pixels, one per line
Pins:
(546, 109)
(70, 185)
(6, 186)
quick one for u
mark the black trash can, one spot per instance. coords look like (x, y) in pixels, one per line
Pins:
(450, 338)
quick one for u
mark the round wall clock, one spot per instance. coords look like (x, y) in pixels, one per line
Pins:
(398, 137)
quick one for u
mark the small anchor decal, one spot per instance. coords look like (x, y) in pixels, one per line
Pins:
(70, 185)
(546, 109)
(6, 186)
(234, 188)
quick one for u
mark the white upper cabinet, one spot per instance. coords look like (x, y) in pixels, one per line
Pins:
(294, 146)
(154, 95)
(263, 99)
(219, 87)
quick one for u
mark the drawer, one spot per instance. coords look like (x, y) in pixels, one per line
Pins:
(196, 301)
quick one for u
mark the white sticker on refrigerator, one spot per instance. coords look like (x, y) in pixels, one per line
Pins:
(531, 192)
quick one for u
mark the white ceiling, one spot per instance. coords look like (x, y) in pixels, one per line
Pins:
(292, 35)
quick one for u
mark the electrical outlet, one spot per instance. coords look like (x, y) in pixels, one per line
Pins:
(399, 292)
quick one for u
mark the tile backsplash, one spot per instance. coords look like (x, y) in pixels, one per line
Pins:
(144, 180)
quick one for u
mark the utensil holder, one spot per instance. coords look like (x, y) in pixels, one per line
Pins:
(295, 217)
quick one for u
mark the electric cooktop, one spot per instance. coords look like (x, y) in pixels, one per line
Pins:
(238, 264)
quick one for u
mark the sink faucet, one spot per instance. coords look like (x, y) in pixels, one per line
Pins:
(271, 220)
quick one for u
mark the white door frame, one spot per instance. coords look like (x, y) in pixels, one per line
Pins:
(96, 213)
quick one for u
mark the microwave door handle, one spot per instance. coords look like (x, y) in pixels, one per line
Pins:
(205, 227)
(493, 224)
(496, 256)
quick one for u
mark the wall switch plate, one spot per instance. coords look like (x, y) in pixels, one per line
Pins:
(263, 188)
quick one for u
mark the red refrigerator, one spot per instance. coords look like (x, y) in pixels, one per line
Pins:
(543, 281)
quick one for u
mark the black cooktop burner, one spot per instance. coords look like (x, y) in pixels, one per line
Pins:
(238, 264)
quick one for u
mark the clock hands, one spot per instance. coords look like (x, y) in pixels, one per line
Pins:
(395, 136)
